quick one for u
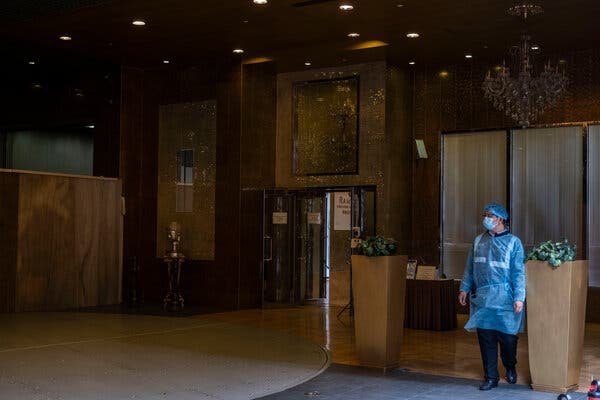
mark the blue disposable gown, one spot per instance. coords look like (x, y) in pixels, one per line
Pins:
(495, 277)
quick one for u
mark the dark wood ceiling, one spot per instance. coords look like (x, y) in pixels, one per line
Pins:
(189, 31)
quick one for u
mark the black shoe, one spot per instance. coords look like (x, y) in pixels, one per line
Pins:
(488, 384)
(511, 376)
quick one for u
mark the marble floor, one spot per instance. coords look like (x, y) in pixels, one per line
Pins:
(87, 356)
(230, 355)
(345, 382)
(452, 353)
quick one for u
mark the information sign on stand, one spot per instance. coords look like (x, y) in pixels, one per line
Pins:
(427, 272)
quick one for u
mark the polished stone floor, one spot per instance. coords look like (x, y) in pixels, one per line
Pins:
(86, 356)
(344, 382)
(240, 355)
(452, 353)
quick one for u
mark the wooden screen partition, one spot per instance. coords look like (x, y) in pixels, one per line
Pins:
(60, 241)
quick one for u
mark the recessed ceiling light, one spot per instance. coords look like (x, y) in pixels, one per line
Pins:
(65, 37)
(399, 5)
(90, 126)
(469, 55)
(260, 1)
(346, 7)
(353, 34)
(535, 47)
(238, 51)
(411, 63)
(166, 61)
(412, 35)
(31, 62)
(138, 22)
(36, 86)
(307, 63)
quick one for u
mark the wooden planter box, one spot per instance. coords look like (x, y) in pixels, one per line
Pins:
(556, 299)
(379, 285)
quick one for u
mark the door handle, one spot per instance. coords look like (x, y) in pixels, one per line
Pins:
(270, 239)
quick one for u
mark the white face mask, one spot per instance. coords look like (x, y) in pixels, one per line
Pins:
(488, 223)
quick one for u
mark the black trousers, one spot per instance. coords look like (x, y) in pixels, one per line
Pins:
(488, 344)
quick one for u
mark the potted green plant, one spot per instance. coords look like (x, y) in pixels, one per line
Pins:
(376, 246)
(556, 299)
(379, 284)
(555, 253)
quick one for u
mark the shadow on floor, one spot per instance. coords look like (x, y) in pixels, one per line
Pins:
(356, 383)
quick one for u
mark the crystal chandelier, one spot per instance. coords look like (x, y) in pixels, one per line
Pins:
(524, 97)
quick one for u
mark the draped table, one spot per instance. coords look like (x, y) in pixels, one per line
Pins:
(430, 304)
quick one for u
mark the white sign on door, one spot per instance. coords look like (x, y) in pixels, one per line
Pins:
(314, 218)
(341, 211)
(280, 218)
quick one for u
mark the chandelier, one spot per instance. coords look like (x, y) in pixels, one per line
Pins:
(524, 96)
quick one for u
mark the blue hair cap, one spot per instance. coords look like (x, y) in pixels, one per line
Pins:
(497, 209)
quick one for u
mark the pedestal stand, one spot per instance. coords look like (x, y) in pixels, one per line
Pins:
(174, 301)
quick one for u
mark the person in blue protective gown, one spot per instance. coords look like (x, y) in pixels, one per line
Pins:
(495, 280)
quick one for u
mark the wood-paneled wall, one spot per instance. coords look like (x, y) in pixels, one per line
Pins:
(66, 238)
(9, 187)
(245, 146)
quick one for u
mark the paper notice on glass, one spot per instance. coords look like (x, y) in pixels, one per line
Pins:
(427, 272)
(341, 211)
(280, 218)
(314, 218)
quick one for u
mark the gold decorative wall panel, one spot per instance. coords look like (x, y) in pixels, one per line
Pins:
(326, 127)
(186, 176)
(384, 141)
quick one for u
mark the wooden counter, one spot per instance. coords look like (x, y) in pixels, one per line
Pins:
(60, 241)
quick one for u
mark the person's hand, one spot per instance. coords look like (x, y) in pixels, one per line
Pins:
(462, 298)
(518, 306)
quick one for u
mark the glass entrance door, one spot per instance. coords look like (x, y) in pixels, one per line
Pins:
(307, 243)
(311, 245)
(278, 248)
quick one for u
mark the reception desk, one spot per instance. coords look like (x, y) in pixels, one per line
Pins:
(60, 241)
(430, 304)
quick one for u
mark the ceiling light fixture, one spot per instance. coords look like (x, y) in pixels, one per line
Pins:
(238, 51)
(535, 47)
(411, 63)
(346, 7)
(166, 62)
(468, 56)
(353, 34)
(138, 22)
(31, 62)
(307, 63)
(524, 96)
(66, 38)
(412, 35)
(260, 1)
